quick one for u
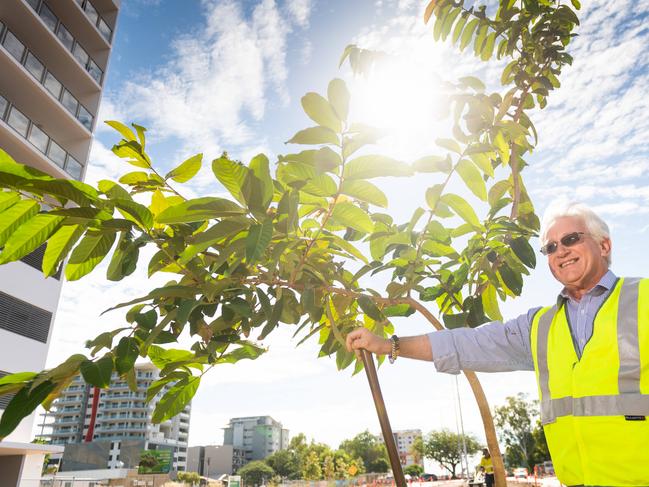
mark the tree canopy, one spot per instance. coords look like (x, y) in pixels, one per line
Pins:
(447, 448)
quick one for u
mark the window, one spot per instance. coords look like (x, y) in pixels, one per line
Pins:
(18, 121)
(74, 168)
(14, 46)
(48, 17)
(53, 85)
(39, 139)
(91, 12)
(95, 71)
(3, 107)
(2, 26)
(34, 66)
(34, 3)
(23, 318)
(85, 117)
(56, 154)
(70, 102)
(80, 54)
(65, 37)
(105, 30)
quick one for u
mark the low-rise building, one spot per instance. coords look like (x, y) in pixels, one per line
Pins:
(214, 460)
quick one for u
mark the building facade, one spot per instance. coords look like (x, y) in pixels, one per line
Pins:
(257, 436)
(212, 461)
(53, 60)
(405, 439)
(109, 428)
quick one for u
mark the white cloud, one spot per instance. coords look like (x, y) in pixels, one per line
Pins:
(299, 11)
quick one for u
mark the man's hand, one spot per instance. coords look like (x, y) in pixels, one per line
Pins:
(364, 338)
(417, 347)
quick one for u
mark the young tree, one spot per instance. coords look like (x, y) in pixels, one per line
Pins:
(311, 469)
(281, 248)
(414, 470)
(192, 478)
(285, 463)
(446, 448)
(255, 473)
(518, 424)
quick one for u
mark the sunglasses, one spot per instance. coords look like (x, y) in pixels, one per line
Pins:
(567, 241)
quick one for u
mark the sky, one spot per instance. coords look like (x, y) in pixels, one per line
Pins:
(214, 75)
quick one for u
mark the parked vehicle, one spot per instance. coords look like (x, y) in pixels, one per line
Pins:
(520, 473)
(428, 477)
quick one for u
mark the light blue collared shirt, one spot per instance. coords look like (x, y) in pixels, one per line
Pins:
(505, 346)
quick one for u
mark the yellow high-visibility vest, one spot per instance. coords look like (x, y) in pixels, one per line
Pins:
(595, 409)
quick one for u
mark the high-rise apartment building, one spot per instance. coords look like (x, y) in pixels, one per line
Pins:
(257, 436)
(109, 428)
(405, 439)
(53, 61)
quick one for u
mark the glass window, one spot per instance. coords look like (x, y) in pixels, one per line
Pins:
(34, 66)
(56, 153)
(95, 71)
(18, 121)
(91, 12)
(85, 117)
(39, 139)
(49, 18)
(70, 102)
(34, 3)
(74, 168)
(105, 30)
(65, 37)
(53, 85)
(2, 26)
(3, 107)
(80, 54)
(14, 46)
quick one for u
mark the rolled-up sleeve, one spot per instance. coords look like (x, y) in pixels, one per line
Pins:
(492, 347)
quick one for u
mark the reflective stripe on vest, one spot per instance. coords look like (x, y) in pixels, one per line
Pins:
(630, 401)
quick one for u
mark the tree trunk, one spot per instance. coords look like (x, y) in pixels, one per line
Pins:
(489, 429)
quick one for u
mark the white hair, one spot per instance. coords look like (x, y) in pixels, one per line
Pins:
(597, 228)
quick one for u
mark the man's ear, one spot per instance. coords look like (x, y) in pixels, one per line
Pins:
(605, 247)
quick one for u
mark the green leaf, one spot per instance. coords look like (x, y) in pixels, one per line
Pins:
(126, 354)
(198, 210)
(29, 236)
(488, 47)
(131, 152)
(462, 209)
(369, 308)
(433, 164)
(364, 191)
(338, 95)
(258, 238)
(176, 398)
(113, 190)
(125, 132)
(458, 28)
(473, 82)
(97, 373)
(455, 321)
(346, 246)
(315, 135)
(512, 279)
(58, 247)
(352, 216)
(374, 166)
(468, 33)
(7, 199)
(187, 170)
(524, 251)
(232, 175)
(490, 303)
(435, 248)
(88, 254)
(260, 167)
(502, 147)
(135, 212)
(320, 111)
(124, 260)
(472, 178)
(14, 217)
(433, 194)
(134, 178)
(17, 378)
(22, 405)
(449, 144)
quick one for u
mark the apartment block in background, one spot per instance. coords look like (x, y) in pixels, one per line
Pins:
(404, 439)
(213, 461)
(110, 428)
(53, 61)
(257, 436)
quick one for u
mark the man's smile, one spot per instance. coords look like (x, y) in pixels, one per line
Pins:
(568, 262)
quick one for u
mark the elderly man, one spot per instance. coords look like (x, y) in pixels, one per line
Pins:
(590, 353)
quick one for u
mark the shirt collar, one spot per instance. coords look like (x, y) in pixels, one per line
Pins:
(605, 284)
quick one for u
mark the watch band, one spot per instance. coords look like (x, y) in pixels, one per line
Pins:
(394, 352)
